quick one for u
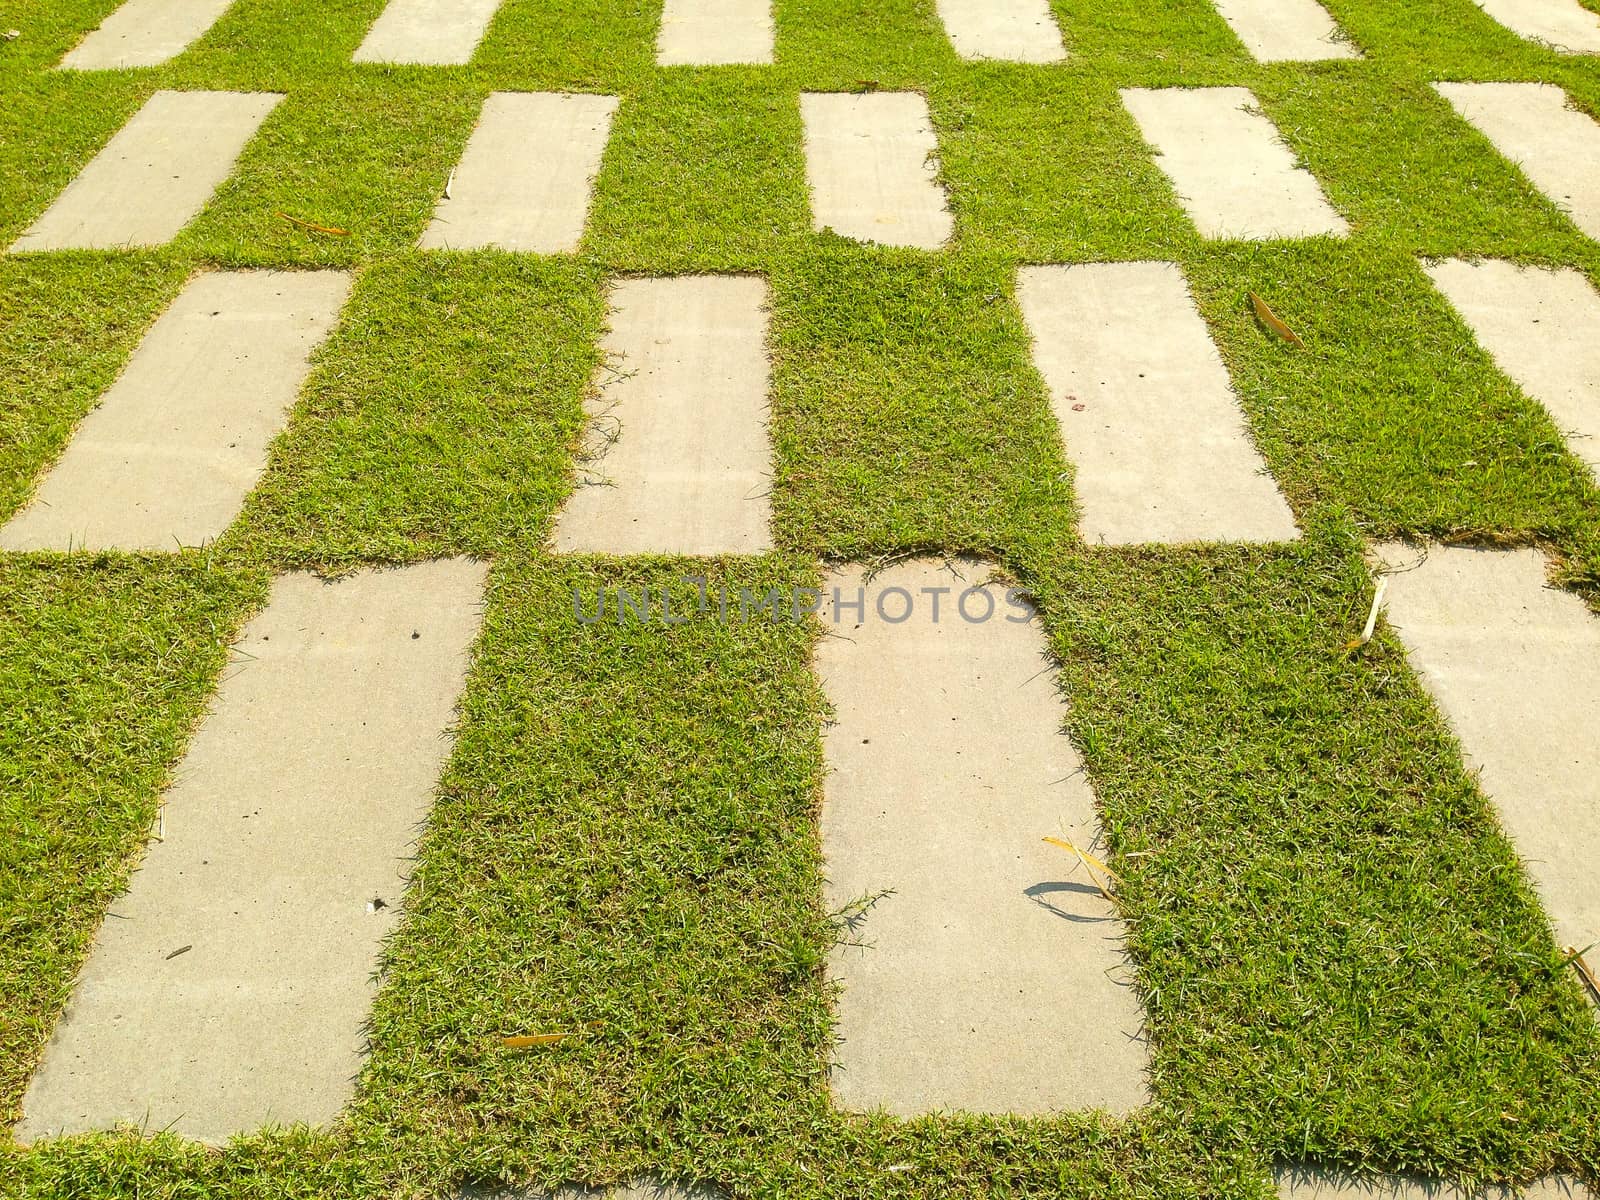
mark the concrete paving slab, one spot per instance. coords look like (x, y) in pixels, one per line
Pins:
(144, 33)
(678, 460)
(985, 972)
(1543, 329)
(644, 1190)
(1146, 408)
(1563, 25)
(527, 175)
(1557, 148)
(714, 33)
(156, 173)
(1233, 175)
(229, 992)
(1006, 30)
(436, 33)
(181, 437)
(1315, 1184)
(872, 169)
(1285, 30)
(1514, 665)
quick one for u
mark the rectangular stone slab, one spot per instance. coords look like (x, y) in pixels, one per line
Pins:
(1233, 175)
(526, 176)
(438, 33)
(713, 33)
(1007, 30)
(156, 173)
(229, 989)
(181, 437)
(986, 972)
(1557, 148)
(1318, 1184)
(1285, 30)
(144, 33)
(1564, 25)
(870, 164)
(1543, 329)
(678, 460)
(1146, 408)
(1514, 665)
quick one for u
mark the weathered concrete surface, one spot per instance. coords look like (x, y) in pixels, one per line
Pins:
(1564, 25)
(1146, 408)
(144, 33)
(1233, 175)
(430, 32)
(1285, 30)
(1543, 328)
(527, 174)
(713, 33)
(1515, 667)
(156, 173)
(644, 1190)
(181, 437)
(1008, 30)
(870, 163)
(1557, 148)
(988, 975)
(230, 989)
(678, 460)
(1304, 1184)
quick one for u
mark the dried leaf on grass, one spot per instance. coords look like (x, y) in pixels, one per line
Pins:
(1356, 643)
(337, 232)
(528, 1041)
(1273, 322)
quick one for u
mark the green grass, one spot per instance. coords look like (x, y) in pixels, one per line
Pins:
(1341, 959)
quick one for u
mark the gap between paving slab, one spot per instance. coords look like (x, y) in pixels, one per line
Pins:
(154, 175)
(1233, 175)
(181, 437)
(231, 990)
(678, 459)
(1556, 147)
(871, 168)
(983, 972)
(438, 33)
(714, 33)
(1301, 1183)
(1514, 665)
(1006, 30)
(1542, 328)
(1564, 25)
(1146, 408)
(1285, 30)
(526, 176)
(144, 33)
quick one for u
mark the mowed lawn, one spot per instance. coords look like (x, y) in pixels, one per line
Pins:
(1340, 959)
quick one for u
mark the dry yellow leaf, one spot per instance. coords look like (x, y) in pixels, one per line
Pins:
(1090, 861)
(1273, 322)
(313, 225)
(533, 1039)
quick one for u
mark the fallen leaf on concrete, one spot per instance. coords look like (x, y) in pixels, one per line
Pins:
(180, 950)
(448, 182)
(313, 225)
(1272, 321)
(1372, 617)
(1090, 861)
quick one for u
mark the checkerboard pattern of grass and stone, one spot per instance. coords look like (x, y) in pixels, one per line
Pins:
(477, 485)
